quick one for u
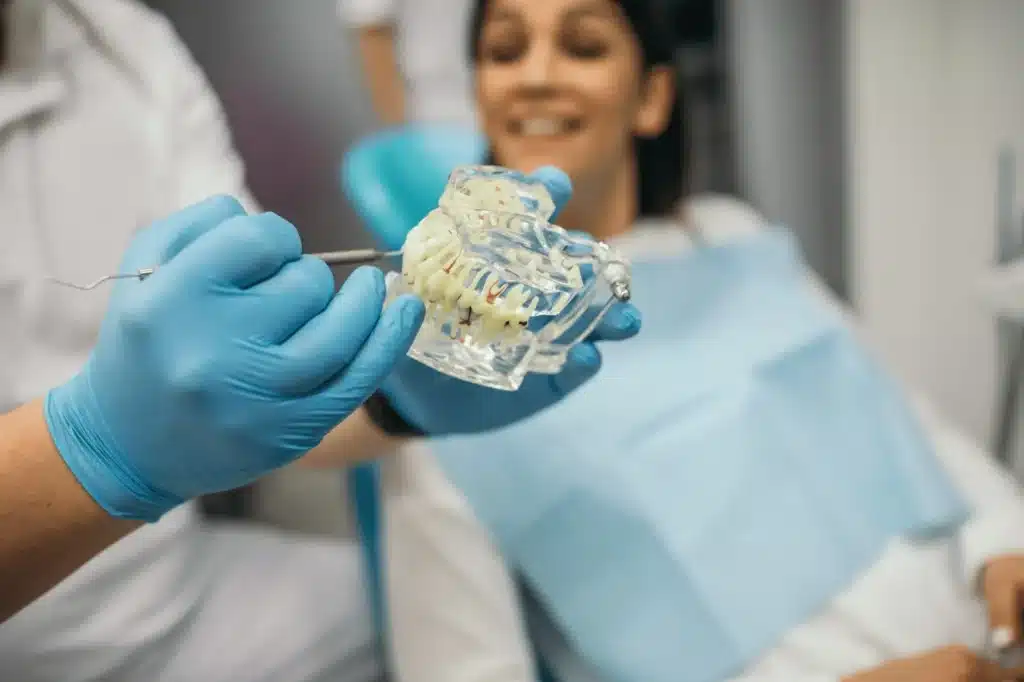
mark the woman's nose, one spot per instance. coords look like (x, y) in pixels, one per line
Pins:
(539, 67)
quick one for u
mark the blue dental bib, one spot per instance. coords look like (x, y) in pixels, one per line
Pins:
(728, 472)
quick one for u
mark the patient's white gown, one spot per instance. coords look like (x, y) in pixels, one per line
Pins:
(456, 615)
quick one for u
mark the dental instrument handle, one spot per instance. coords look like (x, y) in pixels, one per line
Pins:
(355, 256)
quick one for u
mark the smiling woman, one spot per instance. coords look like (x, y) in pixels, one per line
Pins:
(742, 494)
(587, 86)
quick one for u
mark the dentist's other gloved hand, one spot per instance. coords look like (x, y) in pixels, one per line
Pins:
(233, 359)
(438, 404)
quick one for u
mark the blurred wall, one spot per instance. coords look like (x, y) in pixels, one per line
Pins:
(291, 85)
(936, 92)
(785, 65)
(873, 130)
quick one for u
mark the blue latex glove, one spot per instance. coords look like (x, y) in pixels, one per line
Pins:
(234, 358)
(440, 405)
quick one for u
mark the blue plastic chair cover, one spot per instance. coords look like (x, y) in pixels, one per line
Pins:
(393, 178)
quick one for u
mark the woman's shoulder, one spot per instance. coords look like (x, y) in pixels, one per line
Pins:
(700, 219)
(719, 218)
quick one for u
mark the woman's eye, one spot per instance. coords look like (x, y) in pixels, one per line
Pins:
(504, 50)
(504, 54)
(585, 48)
(589, 51)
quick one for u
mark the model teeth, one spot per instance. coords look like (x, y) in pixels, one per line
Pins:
(479, 305)
(490, 285)
(482, 198)
(460, 295)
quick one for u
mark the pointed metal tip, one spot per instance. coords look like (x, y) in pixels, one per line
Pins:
(92, 285)
(80, 287)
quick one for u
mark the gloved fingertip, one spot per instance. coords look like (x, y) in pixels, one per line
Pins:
(627, 317)
(316, 267)
(268, 232)
(278, 222)
(367, 280)
(582, 363)
(622, 321)
(222, 204)
(411, 312)
(558, 184)
(585, 356)
(166, 238)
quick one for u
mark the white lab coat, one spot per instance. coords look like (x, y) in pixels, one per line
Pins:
(455, 613)
(106, 124)
(431, 41)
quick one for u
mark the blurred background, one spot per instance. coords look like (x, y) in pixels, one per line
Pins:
(883, 133)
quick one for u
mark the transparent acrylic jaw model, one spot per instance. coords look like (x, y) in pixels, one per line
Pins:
(507, 293)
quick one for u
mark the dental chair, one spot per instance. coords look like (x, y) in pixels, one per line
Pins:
(392, 179)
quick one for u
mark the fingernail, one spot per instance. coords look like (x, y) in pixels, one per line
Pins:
(1001, 637)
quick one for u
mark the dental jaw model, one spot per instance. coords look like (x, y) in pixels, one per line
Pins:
(507, 293)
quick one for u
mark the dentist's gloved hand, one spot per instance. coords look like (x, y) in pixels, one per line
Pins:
(233, 359)
(439, 405)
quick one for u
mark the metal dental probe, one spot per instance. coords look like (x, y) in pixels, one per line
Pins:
(350, 257)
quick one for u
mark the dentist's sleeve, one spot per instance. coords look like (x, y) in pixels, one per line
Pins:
(201, 155)
(360, 13)
(451, 604)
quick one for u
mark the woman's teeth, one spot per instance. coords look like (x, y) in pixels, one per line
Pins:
(538, 127)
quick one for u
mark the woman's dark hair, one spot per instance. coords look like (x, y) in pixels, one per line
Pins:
(661, 160)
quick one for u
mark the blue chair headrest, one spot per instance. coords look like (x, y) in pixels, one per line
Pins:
(394, 177)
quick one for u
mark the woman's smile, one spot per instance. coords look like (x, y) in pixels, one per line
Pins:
(544, 126)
